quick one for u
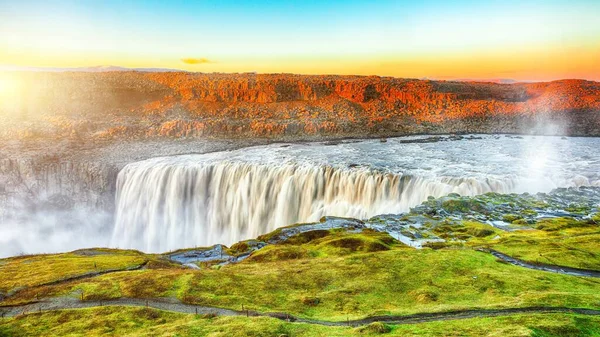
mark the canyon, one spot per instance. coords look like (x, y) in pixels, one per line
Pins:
(121, 106)
(66, 136)
(177, 200)
(302, 198)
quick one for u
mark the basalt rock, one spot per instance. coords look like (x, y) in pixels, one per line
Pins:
(135, 105)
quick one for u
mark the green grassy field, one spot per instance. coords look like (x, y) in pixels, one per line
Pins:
(339, 276)
(150, 322)
(27, 271)
(559, 241)
(330, 275)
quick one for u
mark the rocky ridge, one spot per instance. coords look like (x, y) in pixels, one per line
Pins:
(122, 106)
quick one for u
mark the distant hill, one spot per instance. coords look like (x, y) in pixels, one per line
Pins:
(95, 69)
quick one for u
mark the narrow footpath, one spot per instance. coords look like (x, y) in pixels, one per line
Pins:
(173, 305)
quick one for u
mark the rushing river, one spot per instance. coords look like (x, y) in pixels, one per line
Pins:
(194, 200)
(183, 201)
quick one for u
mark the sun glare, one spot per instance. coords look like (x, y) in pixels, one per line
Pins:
(8, 85)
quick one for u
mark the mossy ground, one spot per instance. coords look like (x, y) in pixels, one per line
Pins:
(344, 277)
(114, 321)
(330, 275)
(559, 241)
(26, 271)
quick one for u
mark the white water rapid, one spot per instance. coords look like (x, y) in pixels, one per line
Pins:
(193, 200)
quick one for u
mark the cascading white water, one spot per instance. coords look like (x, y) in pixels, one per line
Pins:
(194, 200)
(162, 207)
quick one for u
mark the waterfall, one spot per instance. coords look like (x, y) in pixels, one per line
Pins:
(162, 206)
(49, 205)
(183, 201)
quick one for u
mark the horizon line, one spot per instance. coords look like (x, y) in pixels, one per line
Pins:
(116, 69)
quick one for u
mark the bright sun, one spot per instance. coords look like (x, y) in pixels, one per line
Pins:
(9, 86)
(10, 94)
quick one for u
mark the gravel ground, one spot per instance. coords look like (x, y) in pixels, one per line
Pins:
(118, 153)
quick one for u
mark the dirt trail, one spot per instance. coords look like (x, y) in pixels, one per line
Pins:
(80, 277)
(174, 305)
(544, 267)
(93, 274)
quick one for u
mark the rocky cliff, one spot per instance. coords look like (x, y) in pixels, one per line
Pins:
(135, 105)
(48, 185)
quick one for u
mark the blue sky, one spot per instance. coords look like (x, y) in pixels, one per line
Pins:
(398, 38)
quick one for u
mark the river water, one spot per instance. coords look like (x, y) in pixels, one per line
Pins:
(184, 201)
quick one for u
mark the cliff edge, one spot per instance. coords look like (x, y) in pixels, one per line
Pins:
(135, 105)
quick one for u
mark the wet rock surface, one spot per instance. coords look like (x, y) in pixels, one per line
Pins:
(326, 223)
(507, 212)
(516, 209)
(222, 255)
(215, 255)
(425, 224)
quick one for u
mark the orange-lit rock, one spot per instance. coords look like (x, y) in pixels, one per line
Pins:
(137, 105)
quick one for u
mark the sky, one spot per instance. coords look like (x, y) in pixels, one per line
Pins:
(522, 40)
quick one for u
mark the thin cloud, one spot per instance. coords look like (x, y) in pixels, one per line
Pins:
(196, 61)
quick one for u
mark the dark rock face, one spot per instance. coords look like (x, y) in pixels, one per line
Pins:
(57, 184)
(134, 105)
(39, 187)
